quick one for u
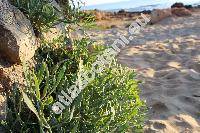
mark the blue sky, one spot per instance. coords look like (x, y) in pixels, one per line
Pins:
(98, 2)
(125, 4)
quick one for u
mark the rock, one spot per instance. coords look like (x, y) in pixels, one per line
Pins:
(158, 15)
(10, 74)
(194, 74)
(158, 126)
(188, 7)
(177, 5)
(101, 15)
(121, 11)
(5, 83)
(113, 26)
(123, 14)
(18, 42)
(98, 15)
(181, 12)
(146, 12)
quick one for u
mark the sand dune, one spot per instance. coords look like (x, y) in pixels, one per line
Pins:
(166, 57)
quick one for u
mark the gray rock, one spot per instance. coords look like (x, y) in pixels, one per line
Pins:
(160, 14)
(17, 39)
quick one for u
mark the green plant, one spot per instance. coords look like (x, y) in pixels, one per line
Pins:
(110, 103)
(73, 13)
(42, 14)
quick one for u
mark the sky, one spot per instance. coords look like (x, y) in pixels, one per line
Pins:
(124, 4)
(98, 2)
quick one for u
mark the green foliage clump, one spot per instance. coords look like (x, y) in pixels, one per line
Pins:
(45, 14)
(42, 14)
(110, 103)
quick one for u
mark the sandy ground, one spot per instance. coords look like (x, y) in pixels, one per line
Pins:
(166, 57)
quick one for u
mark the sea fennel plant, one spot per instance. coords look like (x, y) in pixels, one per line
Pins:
(110, 103)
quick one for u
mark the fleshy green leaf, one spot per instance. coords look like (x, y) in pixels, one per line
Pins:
(30, 105)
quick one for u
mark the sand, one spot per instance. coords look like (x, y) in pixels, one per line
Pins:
(166, 57)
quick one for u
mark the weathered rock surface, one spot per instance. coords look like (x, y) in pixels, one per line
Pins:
(181, 12)
(100, 15)
(158, 15)
(177, 5)
(17, 39)
(17, 45)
